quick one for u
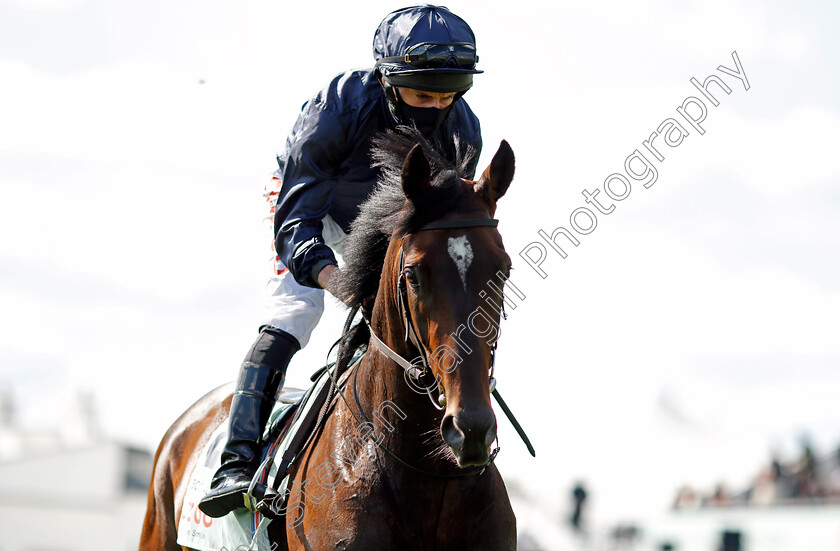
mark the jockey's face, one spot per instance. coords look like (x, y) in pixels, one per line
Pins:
(421, 98)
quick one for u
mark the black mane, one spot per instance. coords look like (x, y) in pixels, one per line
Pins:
(387, 211)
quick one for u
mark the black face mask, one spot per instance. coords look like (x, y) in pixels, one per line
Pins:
(426, 119)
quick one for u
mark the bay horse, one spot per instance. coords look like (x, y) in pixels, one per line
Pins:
(389, 468)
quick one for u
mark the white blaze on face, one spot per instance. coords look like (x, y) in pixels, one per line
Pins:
(462, 255)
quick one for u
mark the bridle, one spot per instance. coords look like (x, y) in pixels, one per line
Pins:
(416, 371)
(419, 370)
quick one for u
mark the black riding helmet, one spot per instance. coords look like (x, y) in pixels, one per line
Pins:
(427, 48)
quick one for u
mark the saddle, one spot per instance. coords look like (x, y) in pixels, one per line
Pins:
(294, 429)
(294, 421)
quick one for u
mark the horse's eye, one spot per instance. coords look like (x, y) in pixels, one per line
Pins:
(411, 276)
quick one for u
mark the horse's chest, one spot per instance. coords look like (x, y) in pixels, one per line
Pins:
(366, 515)
(374, 516)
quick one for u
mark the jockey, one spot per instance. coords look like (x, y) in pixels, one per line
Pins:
(425, 60)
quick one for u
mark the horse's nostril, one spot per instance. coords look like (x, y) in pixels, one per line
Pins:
(452, 435)
(491, 435)
(469, 434)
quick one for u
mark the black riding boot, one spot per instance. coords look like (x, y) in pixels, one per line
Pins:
(260, 379)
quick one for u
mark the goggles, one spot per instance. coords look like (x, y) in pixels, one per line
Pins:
(437, 56)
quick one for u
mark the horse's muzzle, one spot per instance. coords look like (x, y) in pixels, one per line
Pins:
(469, 434)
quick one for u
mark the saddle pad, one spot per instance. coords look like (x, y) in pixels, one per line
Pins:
(240, 529)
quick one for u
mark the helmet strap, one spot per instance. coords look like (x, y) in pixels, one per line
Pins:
(391, 99)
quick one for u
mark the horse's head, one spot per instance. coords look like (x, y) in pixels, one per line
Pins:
(446, 276)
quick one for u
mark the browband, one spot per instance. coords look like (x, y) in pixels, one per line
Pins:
(449, 224)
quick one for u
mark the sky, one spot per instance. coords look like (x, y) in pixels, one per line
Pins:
(690, 334)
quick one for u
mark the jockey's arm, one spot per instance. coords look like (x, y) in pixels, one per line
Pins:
(315, 150)
(325, 275)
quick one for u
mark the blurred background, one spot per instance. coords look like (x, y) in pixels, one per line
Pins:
(677, 373)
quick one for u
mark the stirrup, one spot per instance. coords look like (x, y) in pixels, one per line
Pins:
(231, 496)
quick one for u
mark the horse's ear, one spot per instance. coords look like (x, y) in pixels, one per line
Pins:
(416, 173)
(495, 181)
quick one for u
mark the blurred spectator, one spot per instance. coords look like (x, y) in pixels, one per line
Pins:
(719, 498)
(686, 499)
(807, 484)
(833, 482)
(806, 479)
(579, 496)
(765, 488)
